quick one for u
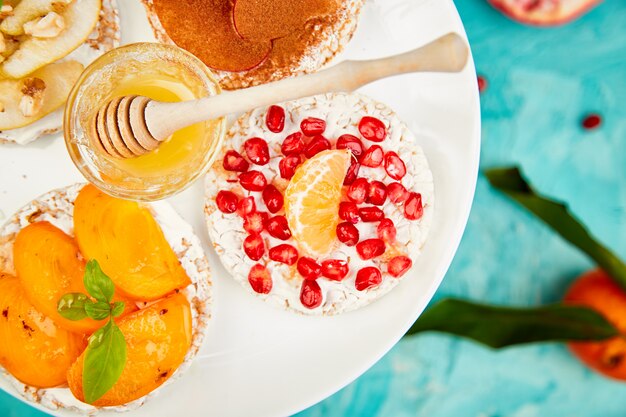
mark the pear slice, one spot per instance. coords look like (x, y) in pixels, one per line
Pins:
(58, 79)
(80, 18)
(28, 10)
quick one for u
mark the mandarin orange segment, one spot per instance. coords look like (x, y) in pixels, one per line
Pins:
(129, 245)
(157, 341)
(49, 265)
(312, 200)
(33, 348)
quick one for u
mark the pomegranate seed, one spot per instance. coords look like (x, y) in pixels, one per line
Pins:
(284, 253)
(377, 193)
(482, 83)
(399, 265)
(275, 119)
(350, 142)
(257, 151)
(254, 247)
(397, 193)
(246, 206)
(255, 222)
(312, 126)
(292, 145)
(233, 161)
(278, 227)
(386, 231)
(253, 180)
(358, 190)
(371, 214)
(311, 294)
(347, 233)
(227, 201)
(394, 166)
(367, 278)
(370, 248)
(353, 171)
(335, 269)
(287, 166)
(372, 129)
(260, 279)
(273, 198)
(413, 208)
(349, 212)
(308, 268)
(592, 121)
(318, 144)
(373, 157)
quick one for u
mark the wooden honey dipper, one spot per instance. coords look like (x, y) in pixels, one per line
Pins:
(131, 126)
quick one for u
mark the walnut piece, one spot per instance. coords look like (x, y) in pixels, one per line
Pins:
(32, 100)
(49, 26)
(1, 107)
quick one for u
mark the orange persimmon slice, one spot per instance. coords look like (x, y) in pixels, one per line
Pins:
(33, 349)
(157, 340)
(129, 245)
(49, 265)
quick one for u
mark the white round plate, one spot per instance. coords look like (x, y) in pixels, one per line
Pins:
(261, 361)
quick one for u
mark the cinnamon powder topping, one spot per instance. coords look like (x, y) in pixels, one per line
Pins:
(205, 28)
(271, 19)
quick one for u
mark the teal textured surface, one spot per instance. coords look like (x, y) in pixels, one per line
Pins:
(541, 83)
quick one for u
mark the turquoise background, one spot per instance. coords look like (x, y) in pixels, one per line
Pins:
(541, 83)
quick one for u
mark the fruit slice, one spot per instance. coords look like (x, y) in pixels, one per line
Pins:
(33, 348)
(259, 20)
(80, 18)
(157, 341)
(58, 79)
(128, 243)
(28, 10)
(312, 200)
(544, 12)
(49, 265)
(209, 34)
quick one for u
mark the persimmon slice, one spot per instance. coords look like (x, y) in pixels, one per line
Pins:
(209, 34)
(157, 341)
(33, 349)
(129, 245)
(258, 20)
(49, 265)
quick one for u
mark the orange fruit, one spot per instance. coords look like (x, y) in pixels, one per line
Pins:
(129, 244)
(157, 340)
(49, 265)
(595, 289)
(312, 200)
(33, 349)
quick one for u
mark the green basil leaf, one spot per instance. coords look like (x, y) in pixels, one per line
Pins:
(556, 215)
(72, 305)
(118, 308)
(104, 362)
(504, 326)
(97, 283)
(98, 310)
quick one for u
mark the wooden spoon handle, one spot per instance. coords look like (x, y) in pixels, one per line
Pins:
(446, 54)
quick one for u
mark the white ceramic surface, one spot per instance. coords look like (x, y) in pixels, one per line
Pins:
(261, 361)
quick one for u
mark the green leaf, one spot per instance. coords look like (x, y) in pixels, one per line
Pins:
(105, 358)
(97, 283)
(72, 305)
(118, 308)
(98, 310)
(556, 215)
(503, 326)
